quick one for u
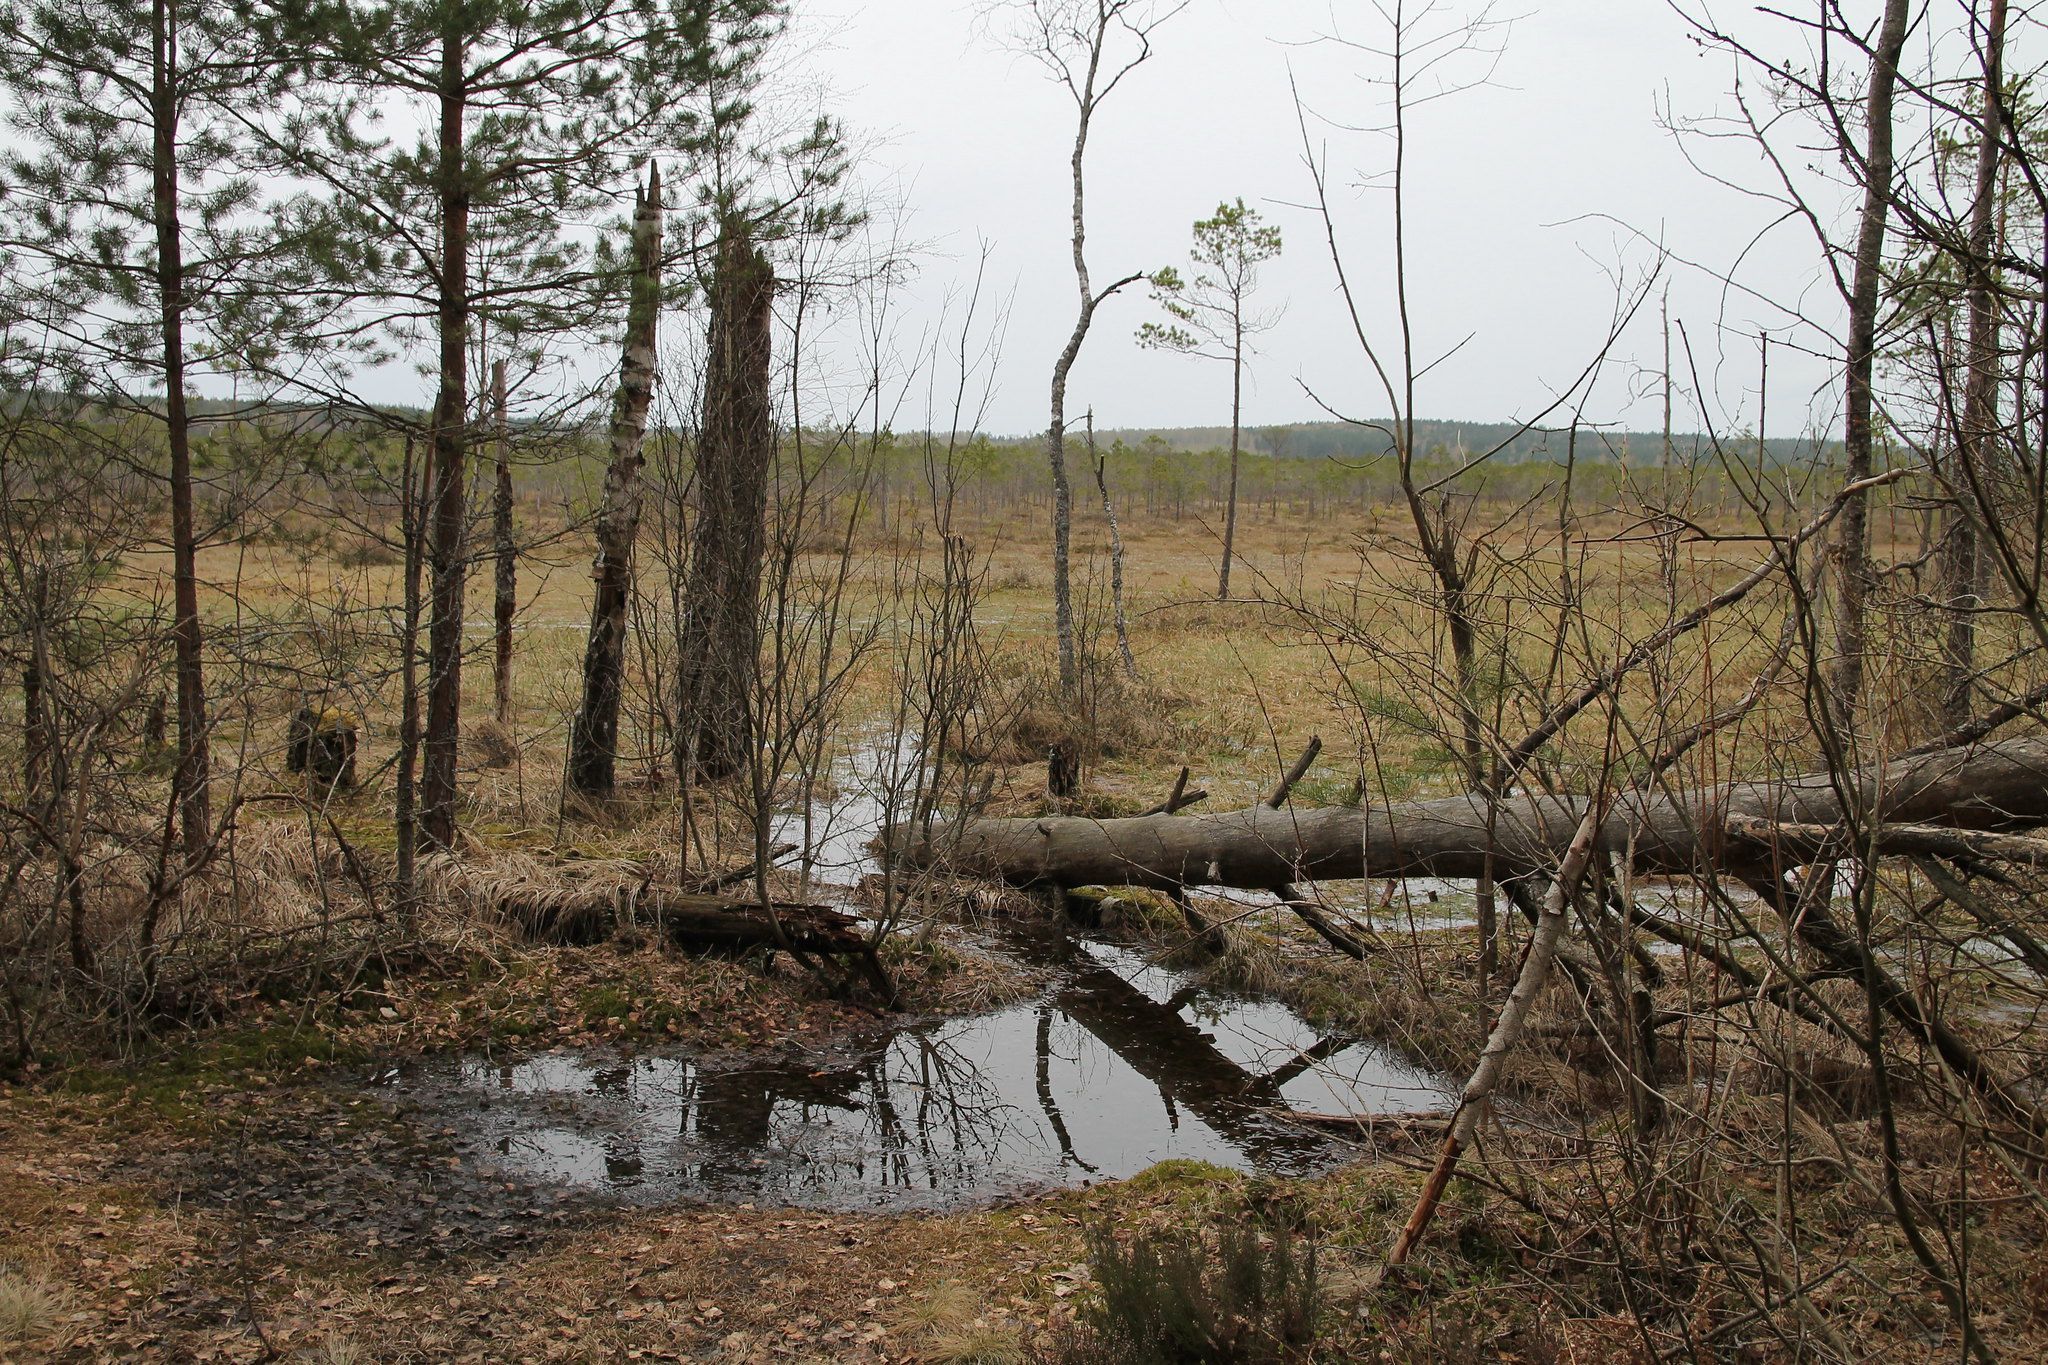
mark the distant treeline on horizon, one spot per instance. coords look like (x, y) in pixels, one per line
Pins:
(1434, 437)
(1324, 440)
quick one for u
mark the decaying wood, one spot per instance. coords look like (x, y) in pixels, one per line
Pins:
(599, 898)
(1343, 940)
(1296, 773)
(1989, 787)
(1957, 892)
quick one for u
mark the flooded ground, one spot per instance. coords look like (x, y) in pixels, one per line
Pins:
(1116, 1066)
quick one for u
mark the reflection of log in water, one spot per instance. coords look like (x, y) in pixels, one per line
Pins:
(919, 1108)
(1155, 1041)
(932, 1114)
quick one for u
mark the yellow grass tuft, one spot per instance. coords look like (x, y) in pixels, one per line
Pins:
(949, 1307)
(978, 1343)
(29, 1310)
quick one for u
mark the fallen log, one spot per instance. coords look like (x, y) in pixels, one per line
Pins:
(551, 905)
(1992, 787)
(1832, 841)
(1405, 1121)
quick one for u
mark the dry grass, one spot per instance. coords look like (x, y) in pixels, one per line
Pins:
(31, 1312)
(978, 1344)
(947, 1306)
(950, 1325)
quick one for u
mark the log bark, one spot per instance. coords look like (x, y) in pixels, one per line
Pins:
(689, 920)
(1998, 786)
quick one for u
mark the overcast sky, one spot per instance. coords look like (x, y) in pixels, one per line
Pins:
(1525, 201)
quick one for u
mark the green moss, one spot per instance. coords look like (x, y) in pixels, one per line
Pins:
(175, 1084)
(602, 1003)
(1181, 1174)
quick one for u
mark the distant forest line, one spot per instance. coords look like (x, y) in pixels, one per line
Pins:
(1435, 438)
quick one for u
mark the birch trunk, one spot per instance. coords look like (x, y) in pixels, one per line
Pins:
(594, 735)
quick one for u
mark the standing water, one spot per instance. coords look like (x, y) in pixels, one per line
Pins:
(1116, 1065)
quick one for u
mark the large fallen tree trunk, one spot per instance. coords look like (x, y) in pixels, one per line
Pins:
(1996, 786)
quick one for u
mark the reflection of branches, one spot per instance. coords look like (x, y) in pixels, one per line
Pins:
(1051, 1106)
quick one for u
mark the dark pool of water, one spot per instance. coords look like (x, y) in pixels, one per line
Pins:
(1117, 1066)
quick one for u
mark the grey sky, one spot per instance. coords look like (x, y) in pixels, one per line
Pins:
(1503, 183)
(1529, 200)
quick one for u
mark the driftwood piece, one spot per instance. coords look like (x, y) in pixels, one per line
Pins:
(725, 881)
(1313, 915)
(1507, 1031)
(1998, 786)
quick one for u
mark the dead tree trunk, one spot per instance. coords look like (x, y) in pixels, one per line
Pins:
(735, 450)
(1860, 354)
(413, 488)
(1992, 786)
(1962, 560)
(594, 734)
(1116, 557)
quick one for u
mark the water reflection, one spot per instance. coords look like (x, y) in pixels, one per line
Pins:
(1116, 1067)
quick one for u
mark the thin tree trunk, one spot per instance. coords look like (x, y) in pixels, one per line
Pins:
(1961, 558)
(189, 782)
(445, 547)
(1853, 530)
(720, 656)
(594, 735)
(1116, 558)
(505, 597)
(1056, 431)
(1507, 1031)
(413, 492)
(1230, 500)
